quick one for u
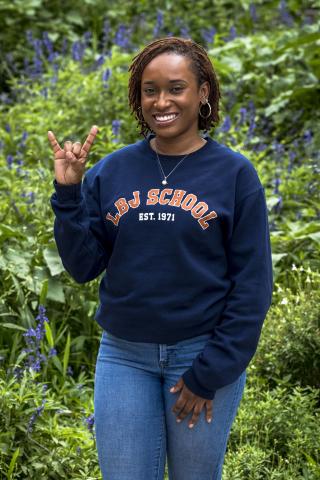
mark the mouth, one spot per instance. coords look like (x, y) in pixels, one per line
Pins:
(165, 119)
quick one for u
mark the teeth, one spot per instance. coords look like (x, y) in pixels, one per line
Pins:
(165, 118)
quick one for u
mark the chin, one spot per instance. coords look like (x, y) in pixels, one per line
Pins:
(167, 132)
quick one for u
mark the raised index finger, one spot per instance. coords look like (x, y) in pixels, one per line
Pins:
(54, 142)
(89, 140)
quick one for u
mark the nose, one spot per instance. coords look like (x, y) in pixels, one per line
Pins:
(162, 101)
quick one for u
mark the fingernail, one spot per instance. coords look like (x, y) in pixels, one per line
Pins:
(191, 425)
(178, 420)
(172, 389)
(209, 420)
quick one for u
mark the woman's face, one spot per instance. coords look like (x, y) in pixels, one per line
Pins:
(170, 97)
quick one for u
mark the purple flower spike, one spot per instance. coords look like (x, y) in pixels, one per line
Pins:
(307, 136)
(78, 51)
(105, 77)
(29, 37)
(47, 42)
(33, 338)
(253, 12)
(243, 114)
(284, 14)
(208, 35)
(233, 32)
(122, 37)
(276, 183)
(90, 421)
(226, 124)
(116, 128)
(35, 415)
(159, 24)
(9, 161)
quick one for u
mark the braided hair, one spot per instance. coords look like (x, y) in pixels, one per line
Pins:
(200, 65)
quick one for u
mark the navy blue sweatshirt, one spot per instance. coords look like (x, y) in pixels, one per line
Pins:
(179, 260)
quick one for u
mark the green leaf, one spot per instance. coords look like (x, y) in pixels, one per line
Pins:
(44, 292)
(74, 17)
(53, 261)
(55, 287)
(301, 40)
(19, 292)
(12, 463)
(13, 326)
(55, 291)
(21, 356)
(276, 106)
(49, 336)
(6, 232)
(66, 355)
(57, 363)
(18, 261)
(276, 257)
(315, 236)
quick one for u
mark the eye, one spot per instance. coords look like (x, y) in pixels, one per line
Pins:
(148, 91)
(177, 89)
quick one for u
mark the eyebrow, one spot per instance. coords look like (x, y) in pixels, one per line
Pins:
(170, 81)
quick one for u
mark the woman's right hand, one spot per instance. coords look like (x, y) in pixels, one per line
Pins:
(70, 161)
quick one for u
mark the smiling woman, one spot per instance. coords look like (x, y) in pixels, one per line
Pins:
(171, 82)
(171, 106)
(187, 270)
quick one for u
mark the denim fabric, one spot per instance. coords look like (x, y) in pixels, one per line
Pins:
(136, 430)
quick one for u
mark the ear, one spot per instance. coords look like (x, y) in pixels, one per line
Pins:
(204, 91)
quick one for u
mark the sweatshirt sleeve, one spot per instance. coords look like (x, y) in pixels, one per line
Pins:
(235, 339)
(79, 230)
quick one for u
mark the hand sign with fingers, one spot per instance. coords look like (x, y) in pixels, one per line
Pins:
(70, 161)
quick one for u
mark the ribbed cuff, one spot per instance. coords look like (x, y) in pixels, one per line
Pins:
(67, 192)
(193, 385)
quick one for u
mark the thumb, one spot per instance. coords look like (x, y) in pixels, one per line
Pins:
(177, 386)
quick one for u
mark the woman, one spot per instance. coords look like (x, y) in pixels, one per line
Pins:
(178, 224)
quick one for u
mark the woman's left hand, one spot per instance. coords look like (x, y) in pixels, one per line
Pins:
(188, 401)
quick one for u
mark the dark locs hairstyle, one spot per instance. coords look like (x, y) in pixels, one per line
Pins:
(200, 65)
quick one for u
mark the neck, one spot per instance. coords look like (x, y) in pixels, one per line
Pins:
(170, 146)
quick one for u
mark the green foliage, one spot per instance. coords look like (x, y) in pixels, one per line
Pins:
(43, 432)
(275, 435)
(289, 347)
(267, 60)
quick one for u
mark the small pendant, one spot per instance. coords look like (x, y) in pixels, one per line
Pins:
(164, 182)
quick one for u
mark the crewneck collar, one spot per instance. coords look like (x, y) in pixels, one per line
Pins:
(145, 144)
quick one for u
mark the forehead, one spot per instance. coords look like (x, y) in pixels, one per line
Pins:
(168, 66)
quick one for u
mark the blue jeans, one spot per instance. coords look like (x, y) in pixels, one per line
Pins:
(136, 430)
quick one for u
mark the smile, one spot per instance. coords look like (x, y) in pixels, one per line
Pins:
(165, 119)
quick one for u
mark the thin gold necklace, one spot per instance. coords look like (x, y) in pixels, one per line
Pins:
(164, 181)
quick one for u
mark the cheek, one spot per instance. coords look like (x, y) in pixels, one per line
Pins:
(145, 110)
(146, 102)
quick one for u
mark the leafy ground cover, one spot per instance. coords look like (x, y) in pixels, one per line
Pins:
(67, 75)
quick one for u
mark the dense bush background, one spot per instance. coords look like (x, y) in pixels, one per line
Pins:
(64, 67)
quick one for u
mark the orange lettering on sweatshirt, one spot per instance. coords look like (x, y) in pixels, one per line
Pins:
(155, 196)
(203, 220)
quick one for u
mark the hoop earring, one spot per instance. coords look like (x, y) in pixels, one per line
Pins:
(201, 115)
